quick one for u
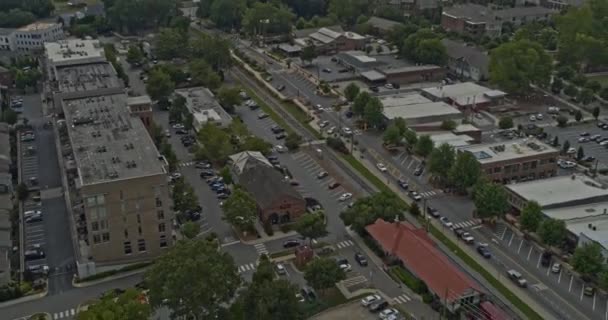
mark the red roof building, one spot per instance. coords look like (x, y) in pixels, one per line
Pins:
(418, 253)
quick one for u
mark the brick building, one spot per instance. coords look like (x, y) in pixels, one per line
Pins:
(516, 160)
(328, 41)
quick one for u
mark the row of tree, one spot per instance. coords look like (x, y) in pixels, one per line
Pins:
(133, 16)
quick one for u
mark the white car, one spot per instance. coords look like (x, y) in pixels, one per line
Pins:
(381, 167)
(468, 238)
(583, 139)
(324, 124)
(386, 313)
(347, 131)
(30, 213)
(176, 175)
(389, 86)
(280, 149)
(566, 164)
(446, 223)
(556, 268)
(345, 196)
(572, 150)
(178, 126)
(603, 143)
(346, 267)
(370, 299)
(167, 133)
(539, 116)
(331, 130)
(532, 118)
(281, 269)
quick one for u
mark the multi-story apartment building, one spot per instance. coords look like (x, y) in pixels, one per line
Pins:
(120, 184)
(516, 160)
(30, 38)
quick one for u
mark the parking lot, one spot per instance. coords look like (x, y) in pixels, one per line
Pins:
(573, 134)
(351, 311)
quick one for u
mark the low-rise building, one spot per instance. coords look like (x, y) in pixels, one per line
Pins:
(557, 192)
(466, 95)
(204, 107)
(467, 61)
(278, 201)
(516, 160)
(6, 205)
(413, 74)
(411, 7)
(328, 41)
(417, 110)
(411, 247)
(476, 20)
(31, 38)
(141, 106)
(6, 41)
(454, 141)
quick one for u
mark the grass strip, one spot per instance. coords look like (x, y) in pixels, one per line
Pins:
(357, 165)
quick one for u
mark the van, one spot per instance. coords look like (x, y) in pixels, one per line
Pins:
(517, 278)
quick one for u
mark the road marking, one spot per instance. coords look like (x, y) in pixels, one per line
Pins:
(404, 159)
(410, 164)
(570, 286)
(548, 269)
(504, 231)
(606, 315)
(511, 240)
(529, 253)
(344, 244)
(594, 301)
(538, 262)
(260, 248)
(559, 278)
(582, 291)
(520, 243)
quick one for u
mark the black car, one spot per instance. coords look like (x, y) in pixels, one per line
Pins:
(270, 158)
(403, 184)
(459, 232)
(181, 131)
(396, 85)
(545, 259)
(589, 158)
(378, 306)
(274, 161)
(222, 196)
(361, 259)
(276, 129)
(280, 136)
(433, 212)
(291, 243)
(419, 171)
(34, 254)
(281, 87)
(374, 89)
(207, 173)
(484, 252)
(349, 114)
(333, 185)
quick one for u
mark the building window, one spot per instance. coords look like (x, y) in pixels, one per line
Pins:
(533, 164)
(101, 199)
(497, 169)
(159, 203)
(138, 218)
(122, 196)
(127, 247)
(160, 214)
(105, 236)
(95, 226)
(526, 165)
(96, 238)
(139, 230)
(161, 227)
(163, 241)
(126, 233)
(103, 224)
(90, 201)
(141, 245)
(123, 207)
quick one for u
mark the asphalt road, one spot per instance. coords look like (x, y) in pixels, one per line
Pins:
(53, 233)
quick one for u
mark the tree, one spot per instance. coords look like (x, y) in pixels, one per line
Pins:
(424, 146)
(127, 305)
(505, 123)
(571, 90)
(347, 11)
(557, 86)
(253, 143)
(578, 115)
(227, 14)
(531, 216)
(215, 144)
(351, 91)
(293, 141)
(209, 275)
(184, 198)
(167, 152)
(566, 72)
(191, 229)
(448, 125)
(308, 54)
(311, 226)
(392, 135)
(9, 116)
(360, 103)
(131, 16)
(268, 18)
(586, 96)
(562, 121)
(382, 205)
(373, 112)
(323, 273)
(588, 259)
(170, 43)
(515, 65)
(604, 93)
(212, 49)
(241, 210)
(552, 231)
(565, 146)
(134, 55)
(555, 142)
(431, 51)
(465, 172)
(594, 86)
(596, 112)
(229, 97)
(410, 137)
(22, 191)
(580, 153)
(159, 85)
(202, 74)
(441, 161)
(415, 209)
(490, 199)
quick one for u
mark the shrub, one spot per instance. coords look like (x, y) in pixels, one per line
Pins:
(427, 298)
(268, 228)
(285, 228)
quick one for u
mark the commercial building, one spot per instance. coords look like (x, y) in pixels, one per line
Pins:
(413, 74)
(466, 95)
(467, 61)
(118, 183)
(30, 38)
(6, 205)
(454, 141)
(417, 110)
(328, 41)
(476, 20)
(557, 192)
(141, 106)
(516, 160)
(412, 248)
(278, 202)
(204, 107)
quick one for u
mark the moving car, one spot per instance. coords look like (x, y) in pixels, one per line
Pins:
(381, 167)
(345, 196)
(517, 278)
(484, 252)
(361, 259)
(370, 299)
(291, 243)
(280, 149)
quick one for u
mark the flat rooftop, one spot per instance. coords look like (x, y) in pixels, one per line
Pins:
(73, 51)
(465, 93)
(561, 191)
(204, 107)
(133, 101)
(412, 106)
(451, 139)
(514, 149)
(392, 70)
(87, 77)
(38, 26)
(108, 142)
(577, 212)
(592, 228)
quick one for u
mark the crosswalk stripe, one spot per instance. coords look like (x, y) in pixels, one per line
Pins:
(72, 311)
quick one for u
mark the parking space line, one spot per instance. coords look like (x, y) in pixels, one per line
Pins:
(582, 291)
(606, 315)
(548, 269)
(410, 164)
(559, 278)
(520, 243)
(504, 231)
(538, 262)
(570, 286)
(512, 236)
(594, 294)
(529, 253)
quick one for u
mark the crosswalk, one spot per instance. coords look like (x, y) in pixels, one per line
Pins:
(353, 281)
(401, 299)
(67, 314)
(186, 164)
(261, 249)
(468, 223)
(431, 193)
(344, 244)
(247, 267)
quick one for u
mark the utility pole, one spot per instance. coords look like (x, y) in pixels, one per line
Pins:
(426, 219)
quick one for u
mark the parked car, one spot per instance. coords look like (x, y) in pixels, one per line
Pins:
(291, 243)
(556, 268)
(381, 167)
(345, 196)
(446, 222)
(333, 185)
(468, 238)
(34, 254)
(517, 278)
(484, 252)
(378, 306)
(360, 258)
(545, 259)
(589, 290)
(459, 232)
(281, 269)
(370, 299)
(276, 129)
(280, 136)
(415, 195)
(36, 217)
(281, 87)
(322, 174)
(262, 115)
(309, 293)
(403, 184)
(386, 313)
(432, 212)
(419, 171)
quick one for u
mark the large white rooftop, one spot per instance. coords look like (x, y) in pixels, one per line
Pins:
(577, 212)
(592, 228)
(466, 93)
(204, 107)
(451, 139)
(514, 149)
(421, 110)
(74, 51)
(562, 190)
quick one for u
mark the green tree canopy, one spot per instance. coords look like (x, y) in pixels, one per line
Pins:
(229, 97)
(193, 279)
(241, 210)
(267, 19)
(191, 229)
(531, 216)
(373, 112)
(367, 210)
(441, 161)
(214, 144)
(227, 14)
(170, 43)
(323, 273)
(347, 11)
(312, 226)
(505, 123)
(465, 172)
(308, 54)
(127, 305)
(490, 199)
(361, 102)
(424, 146)
(515, 65)
(552, 231)
(392, 135)
(351, 91)
(202, 74)
(134, 55)
(159, 85)
(588, 259)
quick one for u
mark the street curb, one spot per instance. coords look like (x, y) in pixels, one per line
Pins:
(271, 238)
(24, 299)
(107, 279)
